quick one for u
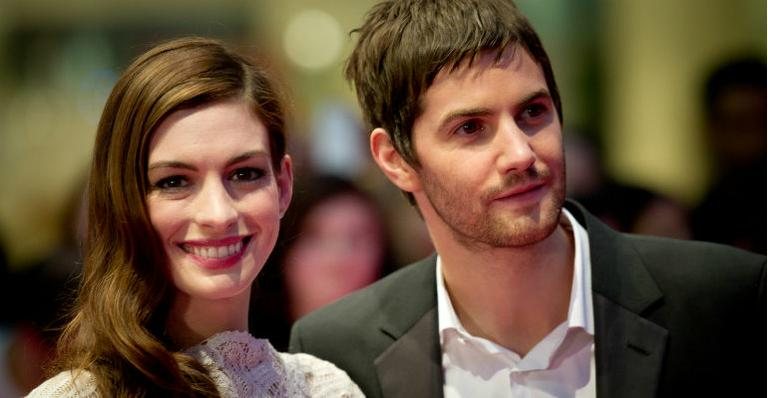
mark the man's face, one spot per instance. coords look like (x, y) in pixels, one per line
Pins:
(489, 145)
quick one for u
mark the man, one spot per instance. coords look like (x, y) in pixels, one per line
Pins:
(528, 295)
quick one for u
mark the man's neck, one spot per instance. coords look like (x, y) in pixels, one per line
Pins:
(512, 296)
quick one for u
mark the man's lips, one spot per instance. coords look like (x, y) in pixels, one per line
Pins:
(519, 190)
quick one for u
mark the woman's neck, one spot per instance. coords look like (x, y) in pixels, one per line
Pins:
(193, 319)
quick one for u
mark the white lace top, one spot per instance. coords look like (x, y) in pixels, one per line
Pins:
(240, 366)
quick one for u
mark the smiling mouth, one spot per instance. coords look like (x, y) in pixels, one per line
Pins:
(215, 251)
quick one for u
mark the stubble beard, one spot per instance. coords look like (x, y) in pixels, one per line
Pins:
(478, 227)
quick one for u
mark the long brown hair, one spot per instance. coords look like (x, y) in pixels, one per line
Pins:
(117, 331)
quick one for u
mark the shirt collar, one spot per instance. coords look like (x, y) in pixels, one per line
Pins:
(580, 312)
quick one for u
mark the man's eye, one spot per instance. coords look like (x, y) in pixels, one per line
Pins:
(469, 127)
(533, 111)
(172, 182)
(247, 174)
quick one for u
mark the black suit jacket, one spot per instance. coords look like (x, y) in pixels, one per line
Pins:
(672, 318)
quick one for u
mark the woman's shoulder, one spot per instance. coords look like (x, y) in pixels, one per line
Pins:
(322, 378)
(67, 384)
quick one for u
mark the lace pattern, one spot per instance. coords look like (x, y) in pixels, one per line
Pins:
(240, 366)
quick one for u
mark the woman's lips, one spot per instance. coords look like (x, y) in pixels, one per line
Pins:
(216, 253)
(213, 251)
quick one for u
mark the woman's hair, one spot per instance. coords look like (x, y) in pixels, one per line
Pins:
(117, 331)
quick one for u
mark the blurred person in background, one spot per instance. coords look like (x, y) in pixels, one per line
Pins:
(4, 272)
(42, 293)
(733, 211)
(188, 182)
(37, 298)
(625, 207)
(333, 240)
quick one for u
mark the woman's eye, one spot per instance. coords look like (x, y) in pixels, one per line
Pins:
(469, 127)
(172, 182)
(247, 174)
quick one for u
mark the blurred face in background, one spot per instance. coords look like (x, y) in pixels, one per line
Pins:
(339, 249)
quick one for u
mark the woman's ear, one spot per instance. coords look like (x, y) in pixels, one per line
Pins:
(402, 174)
(285, 184)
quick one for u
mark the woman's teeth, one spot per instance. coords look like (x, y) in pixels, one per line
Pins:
(214, 251)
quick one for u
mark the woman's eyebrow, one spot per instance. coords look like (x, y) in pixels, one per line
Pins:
(173, 164)
(248, 155)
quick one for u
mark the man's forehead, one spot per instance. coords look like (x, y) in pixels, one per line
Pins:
(463, 75)
(472, 65)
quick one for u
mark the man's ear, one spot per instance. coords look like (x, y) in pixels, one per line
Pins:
(391, 163)
(285, 184)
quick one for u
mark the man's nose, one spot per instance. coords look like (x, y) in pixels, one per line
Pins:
(515, 151)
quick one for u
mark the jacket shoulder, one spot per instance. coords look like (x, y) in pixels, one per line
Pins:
(402, 287)
(726, 283)
(351, 332)
(692, 259)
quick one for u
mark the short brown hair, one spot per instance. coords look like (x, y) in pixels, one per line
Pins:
(403, 44)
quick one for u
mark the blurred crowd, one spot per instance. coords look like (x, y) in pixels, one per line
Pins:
(733, 209)
(343, 232)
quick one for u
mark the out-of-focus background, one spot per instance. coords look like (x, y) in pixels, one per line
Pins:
(657, 141)
(631, 75)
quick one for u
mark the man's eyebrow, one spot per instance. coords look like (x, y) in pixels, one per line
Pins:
(476, 112)
(462, 113)
(536, 95)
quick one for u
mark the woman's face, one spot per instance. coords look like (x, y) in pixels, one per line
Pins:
(338, 250)
(214, 199)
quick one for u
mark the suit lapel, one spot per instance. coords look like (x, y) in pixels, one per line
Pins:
(411, 365)
(629, 349)
(414, 357)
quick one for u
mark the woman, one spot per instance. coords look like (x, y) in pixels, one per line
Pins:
(188, 183)
(334, 240)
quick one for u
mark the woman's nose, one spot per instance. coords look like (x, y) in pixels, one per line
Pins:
(215, 207)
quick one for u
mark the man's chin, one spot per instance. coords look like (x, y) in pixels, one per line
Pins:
(526, 230)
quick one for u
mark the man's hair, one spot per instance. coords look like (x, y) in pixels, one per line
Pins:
(403, 44)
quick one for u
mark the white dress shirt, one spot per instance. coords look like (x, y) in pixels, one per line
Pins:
(560, 365)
